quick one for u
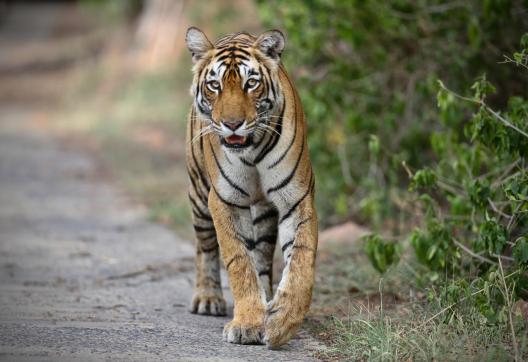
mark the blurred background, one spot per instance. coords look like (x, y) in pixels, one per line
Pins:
(417, 116)
(367, 74)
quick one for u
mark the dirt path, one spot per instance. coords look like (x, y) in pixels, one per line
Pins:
(83, 274)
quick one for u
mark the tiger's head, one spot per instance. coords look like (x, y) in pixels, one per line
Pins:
(236, 86)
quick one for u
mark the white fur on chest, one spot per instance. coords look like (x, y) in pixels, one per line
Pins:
(238, 182)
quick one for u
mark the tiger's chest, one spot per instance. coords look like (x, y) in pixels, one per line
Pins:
(236, 180)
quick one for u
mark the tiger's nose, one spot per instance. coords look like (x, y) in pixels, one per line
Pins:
(233, 124)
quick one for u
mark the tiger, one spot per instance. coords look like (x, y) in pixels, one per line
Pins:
(251, 184)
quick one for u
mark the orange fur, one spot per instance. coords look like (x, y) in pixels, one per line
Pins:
(275, 172)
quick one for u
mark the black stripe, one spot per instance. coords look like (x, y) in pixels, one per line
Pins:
(197, 209)
(265, 149)
(248, 242)
(273, 89)
(197, 166)
(268, 238)
(287, 180)
(209, 249)
(290, 211)
(303, 247)
(229, 203)
(202, 109)
(201, 196)
(199, 228)
(264, 272)
(271, 81)
(201, 216)
(232, 49)
(266, 136)
(207, 237)
(267, 215)
(229, 181)
(201, 144)
(285, 246)
(273, 140)
(239, 56)
(232, 56)
(194, 204)
(266, 89)
(243, 51)
(246, 162)
(232, 260)
(223, 57)
(287, 149)
(302, 223)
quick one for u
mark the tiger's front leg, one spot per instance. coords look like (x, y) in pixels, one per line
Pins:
(298, 239)
(234, 229)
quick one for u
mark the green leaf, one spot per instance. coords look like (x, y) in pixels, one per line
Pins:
(381, 253)
(432, 251)
(520, 251)
(425, 178)
(493, 237)
(374, 144)
(482, 88)
(479, 193)
(524, 41)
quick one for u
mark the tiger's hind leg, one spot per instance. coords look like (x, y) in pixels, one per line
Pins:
(264, 218)
(207, 298)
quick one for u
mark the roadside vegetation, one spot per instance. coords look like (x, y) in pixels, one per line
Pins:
(419, 129)
(418, 120)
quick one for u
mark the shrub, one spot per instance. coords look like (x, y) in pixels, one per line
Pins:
(475, 199)
(367, 71)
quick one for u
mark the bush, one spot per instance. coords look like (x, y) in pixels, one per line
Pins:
(367, 71)
(473, 241)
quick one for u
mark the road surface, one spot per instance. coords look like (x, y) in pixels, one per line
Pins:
(83, 274)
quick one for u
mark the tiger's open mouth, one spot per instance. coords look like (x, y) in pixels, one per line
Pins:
(236, 141)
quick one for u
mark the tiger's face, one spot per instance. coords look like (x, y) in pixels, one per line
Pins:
(236, 87)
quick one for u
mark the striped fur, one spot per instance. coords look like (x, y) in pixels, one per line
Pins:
(251, 184)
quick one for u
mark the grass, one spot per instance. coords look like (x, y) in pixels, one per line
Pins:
(361, 316)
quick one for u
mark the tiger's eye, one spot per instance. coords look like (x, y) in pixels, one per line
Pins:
(214, 85)
(252, 82)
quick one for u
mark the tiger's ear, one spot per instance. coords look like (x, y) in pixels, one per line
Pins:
(271, 43)
(197, 43)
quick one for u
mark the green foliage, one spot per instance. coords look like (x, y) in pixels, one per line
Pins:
(520, 251)
(477, 220)
(433, 246)
(424, 178)
(472, 241)
(492, 238)
(366, 72)
(381, 253)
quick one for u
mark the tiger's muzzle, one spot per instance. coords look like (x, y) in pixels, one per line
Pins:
(235, 134)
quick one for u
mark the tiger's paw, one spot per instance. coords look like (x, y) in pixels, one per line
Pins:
(281, 322)
(208, 302)
(239, 333)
